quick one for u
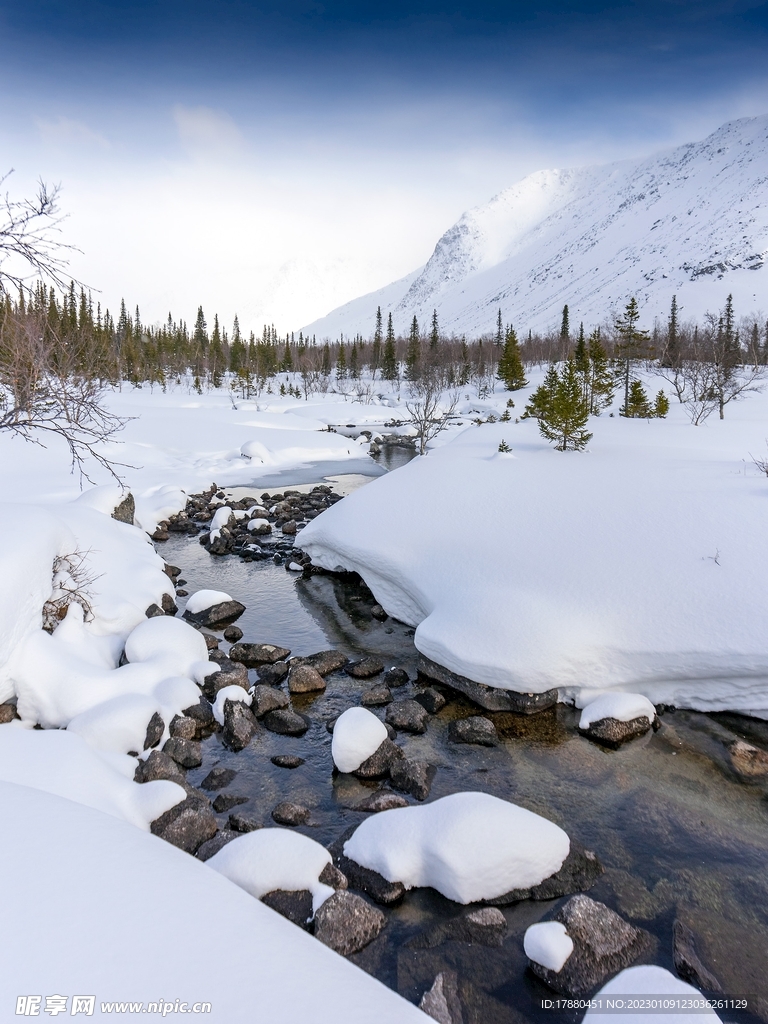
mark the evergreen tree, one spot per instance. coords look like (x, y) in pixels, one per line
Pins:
(341, 363)
(434, 333)
(601, 380)
(672, 353)
(389, 362)
(499, 330)
(631, 342)
(238, 354)
(558, 405)
(326, 360)
(582, 364)
(660, 406)
(354, 361)
(637, 406)
(511, 369)
(565, 332)
(216, 360)
(413, 352)
(378, 336)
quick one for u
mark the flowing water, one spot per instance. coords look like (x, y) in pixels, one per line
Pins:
(679, 832)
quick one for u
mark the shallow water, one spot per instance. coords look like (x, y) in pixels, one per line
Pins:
(679, 833)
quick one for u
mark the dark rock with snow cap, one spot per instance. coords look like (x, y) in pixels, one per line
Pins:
(254, 655)
(155, 730)
(224, 612)
(365, 879)
(240, 725)
(347, 923)
(125, 510)
(603, 945)
(202, 713)
(475, 730)
(579, 871)
(158, 765)
(228, 674)
(489, 697)
(408, 715)
(613, 733)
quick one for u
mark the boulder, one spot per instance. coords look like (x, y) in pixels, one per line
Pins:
(273, 675)
(408, 715)
(748, 760)
(125, 511)
(207, 849)
(305, 679)
(168, 605)
(365, 879)
(412, 775)
(218, 778)
(253, 655)
(347, 923)
(379, 764)
(286, 722)
(366, 668)
(202, 713)
(603, 945)
(153, 611)
(377, 696)
(219, 614)
(230, 674)
(395, 677)
(441, 1002)
(489, 697)
(244, 821)
(296, 906)
(687, 963)
(155, 730)
(187, 825)
(323, 662)
(486, 926)
(579, 871)
(266, 699)
(287, 813)
(226, 801)
(289, 528)
(232, 634)
(613, 733)
(159, 766)
(287, 761)
(8, 713)
(377, 612)
(476, 730)
(240, 725)
(187, 753)
(184, 728)
(431, 699)
(330, 875)
(381, 801)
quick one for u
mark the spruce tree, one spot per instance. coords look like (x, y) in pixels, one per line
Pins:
(389, 362)
(601, 381)
(216, 354)
(558, 405)
(636, 407)
(565, 332)
(631, 342)
(354, 361)
(341, 363)
(499, 330)
(671, 357)
(660, 406)
(434, 333)
(511, 369)
(376, 346)
(413, 352)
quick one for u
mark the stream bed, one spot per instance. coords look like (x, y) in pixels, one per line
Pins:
(679, 832)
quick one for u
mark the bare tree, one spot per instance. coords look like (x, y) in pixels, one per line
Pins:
(430, 406)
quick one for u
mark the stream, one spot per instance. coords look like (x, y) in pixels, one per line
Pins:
(679, 833)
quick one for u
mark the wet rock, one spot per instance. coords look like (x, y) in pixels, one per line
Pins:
(489, 697)
(273, 675)
(159, 766)
(287, 813)
(153, 611)
(441, 1002)
(408, 715)
(395, 677)
(168, 605)
(219, 614)
(289, 528)
(161, 533)
(323, 662)
(286, 722)
(412, 776)
(365, 879)
(382, 801)
(366, 668)
(218, 778)
(287, 761)
(486, 927)
(211, 642)
(603, 945)
(477, 730)
(296, 906)
(580, 871)
(330, 875)
(240, 725)
(229, 674)
(266, 699)
(232, 634)
(347, 923)
(184, 728)
(305, 679)
(226, 801)
(202, 713)
(155, 730)
(613, 733)
(124, 512)
(687, 963)
(379, 764)
(377, 696)
(187, 753)
(431, 699)
(187, 825)
(748, 760)
(8, 713)
(172, 572)
(377, 612)
(207, 849)
(253, 655)
(244, 821)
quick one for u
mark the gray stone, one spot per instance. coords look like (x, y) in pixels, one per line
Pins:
(218, 778)
(226, 801)
(347, 923)
(580, 870)
(229, 674)
(185, 728)
(412, 776)
(305, 679)
(365, 879)
(168, 605)
(155, 730)
(232, 634)
(408, 715)
(612, 733)
(324, 662)
(486, 926)
(296, 906)
(687, 963)
(254, 655)
(211, 641)
(431, 699)
(286, 722)
(207, 849)
(244, 821)
(159, 766)
(8, 713)
(187, 753)
(489, 697)
(289, 528)
(266, 699)
(287, 761)
(202, 713)
(603, 945)
(240, 725)
(379, 764)
(441, 1002)
(394, 677)
(171, 571)
(287, 813)
(153, 611)
(273, 675)
(187, 825)
(377, 696)
(748, 760)
(219, 614)
(382, 801)
(477, 730)
(330, 875)
(124, 512)
(365, 668)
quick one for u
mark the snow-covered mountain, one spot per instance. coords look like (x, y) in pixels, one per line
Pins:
(692, 221)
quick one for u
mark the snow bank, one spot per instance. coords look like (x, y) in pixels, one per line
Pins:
(614, 569)
(357, 734)
(548, 944)
(221, 518)
(156, 504)
(229, 693)
(119, 724)
(274, 858)
(649, 980)
(62, 763)
(82, 911)
(468, 846)
(621, 706)
(203, 599)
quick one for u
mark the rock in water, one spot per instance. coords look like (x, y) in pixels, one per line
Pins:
(216, 615)
(408, 715)
(431, 699)
(365, 668)
(287, 761)
(305, 679)
(613, 733)
(253, 655)
(382, 801)
(687, 963)
(230, 674)
(379, 764)
(603, 945)
(273, 675)
(748, 760)
(296, 906)
(377, 696)
(323, 662)
(412, 775)
(290, 814)
(187, 825)
(441, 1002)
(240, 725)
(347, 923)
(286, 722)
(187, 753)
(266, 699)
(477, 730)
(218, 778)
(489, 697)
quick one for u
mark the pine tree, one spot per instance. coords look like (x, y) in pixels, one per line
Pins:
(354, 361)
(325, 366)
(434, 333)
(216, 354)
(565, 332)
(558, 405)
(637, 406)
(660, 406)
(389, 362)
(341, 363)
(632, 340)
(601, 381)
(511, 369)
(376, 346)
(582, 364)
(413, 352)
(499, 330)
(672, 354)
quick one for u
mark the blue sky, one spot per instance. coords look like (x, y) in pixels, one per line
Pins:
(276, 158)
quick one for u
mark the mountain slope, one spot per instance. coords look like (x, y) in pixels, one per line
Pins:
(692, 221)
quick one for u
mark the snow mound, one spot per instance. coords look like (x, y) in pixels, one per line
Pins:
(649, 980)
(229, 693)
(468, 846)
(220, 518)
(257, 523)
(356, 735)
(169, 638)
(204, 599)
(156, 504)
(621, 706)
(256, 452)
(60, 762)
(548, 944)
(119, 724)
(275, 858)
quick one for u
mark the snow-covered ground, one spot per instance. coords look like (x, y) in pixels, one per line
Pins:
(637, 565)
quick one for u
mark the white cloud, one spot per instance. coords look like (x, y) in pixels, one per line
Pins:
(67, 133)
(207, 133)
